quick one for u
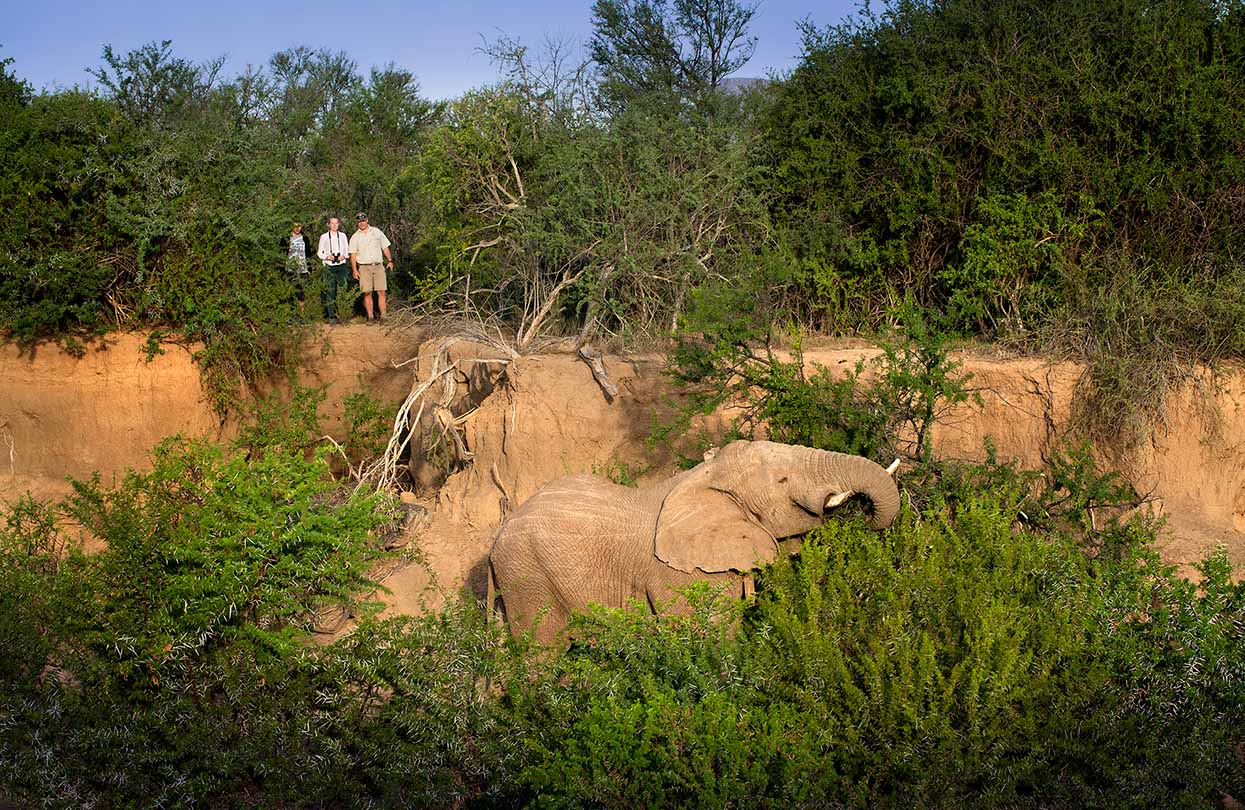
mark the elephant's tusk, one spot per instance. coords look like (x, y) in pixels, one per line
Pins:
(836, 500)
(891, 469)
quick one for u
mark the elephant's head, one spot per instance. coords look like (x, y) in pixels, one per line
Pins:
(729, 512)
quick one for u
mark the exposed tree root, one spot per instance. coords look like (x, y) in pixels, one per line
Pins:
(434, 395)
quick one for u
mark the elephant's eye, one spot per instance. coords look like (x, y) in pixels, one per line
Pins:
(782, 480)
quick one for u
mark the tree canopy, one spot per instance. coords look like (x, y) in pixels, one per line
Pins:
(654, 47)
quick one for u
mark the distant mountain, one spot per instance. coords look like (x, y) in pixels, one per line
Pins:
(736, 86)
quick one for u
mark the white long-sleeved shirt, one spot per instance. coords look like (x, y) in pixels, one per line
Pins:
(331, 243)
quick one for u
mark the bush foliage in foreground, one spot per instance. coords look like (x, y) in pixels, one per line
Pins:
(949, 660)
(956, 658)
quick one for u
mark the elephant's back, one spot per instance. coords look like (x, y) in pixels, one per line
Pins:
(582, 501)
(574, 521)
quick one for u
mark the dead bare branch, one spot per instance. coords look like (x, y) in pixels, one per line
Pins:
(596, 362)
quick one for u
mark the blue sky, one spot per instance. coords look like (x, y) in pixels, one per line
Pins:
(52, 42)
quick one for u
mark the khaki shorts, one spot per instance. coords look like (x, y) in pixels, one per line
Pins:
(372, 278)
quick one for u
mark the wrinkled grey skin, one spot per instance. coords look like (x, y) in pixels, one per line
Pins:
(584, 539)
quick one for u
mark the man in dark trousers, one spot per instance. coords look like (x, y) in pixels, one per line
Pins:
(335, 253)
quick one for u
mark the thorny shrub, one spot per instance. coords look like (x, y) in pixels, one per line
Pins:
(974, 653)
(882, 407)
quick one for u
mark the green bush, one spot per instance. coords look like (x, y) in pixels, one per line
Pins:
(972, 654)
(282, 422)
(416, 714)
(967, 151)
(1071, 496)
(1011, 261)
(883, 407)
(56, 175)
(1062, 176)
(181, 644)
(368, 425)
(952, 660)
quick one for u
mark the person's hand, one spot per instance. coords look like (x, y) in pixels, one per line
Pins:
(356, 275)
(391, 264)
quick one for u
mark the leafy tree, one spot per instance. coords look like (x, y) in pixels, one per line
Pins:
(13, 91)
(908, 138)
(648, 47)
(152, 85)
(605, 227)
(65, 160)
(1057, 176)
(310, 88)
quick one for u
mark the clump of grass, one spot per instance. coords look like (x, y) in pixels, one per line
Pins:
(1142, 333)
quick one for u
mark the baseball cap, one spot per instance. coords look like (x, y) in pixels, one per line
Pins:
(359, 217)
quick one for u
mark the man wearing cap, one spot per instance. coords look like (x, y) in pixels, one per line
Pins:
(367, 247)
(334, 251)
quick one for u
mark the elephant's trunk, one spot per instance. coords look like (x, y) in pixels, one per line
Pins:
(860, 475)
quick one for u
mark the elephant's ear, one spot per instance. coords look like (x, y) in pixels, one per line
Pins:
(705, 528)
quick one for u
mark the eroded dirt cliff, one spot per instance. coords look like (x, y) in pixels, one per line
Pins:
(530, 419)
(63, 415)
(550, 418)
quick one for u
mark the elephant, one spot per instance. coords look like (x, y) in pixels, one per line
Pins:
(584, 539)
